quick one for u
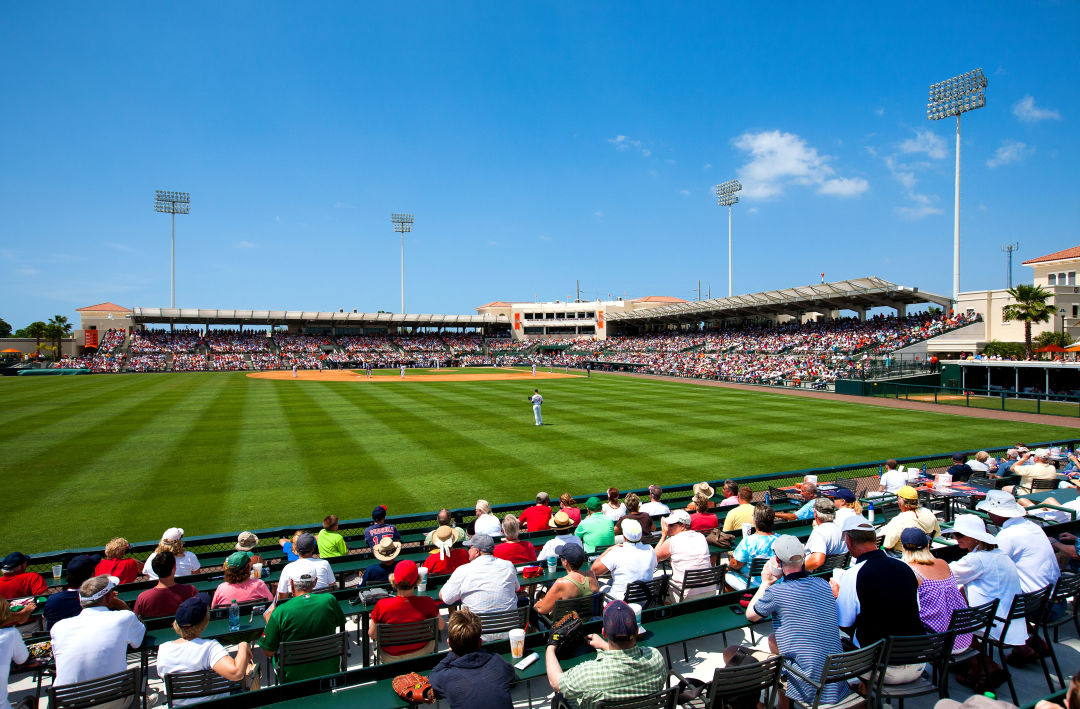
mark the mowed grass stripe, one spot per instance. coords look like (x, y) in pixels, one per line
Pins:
(228, 452)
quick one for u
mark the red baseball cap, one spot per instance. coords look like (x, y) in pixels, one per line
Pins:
(405, 573)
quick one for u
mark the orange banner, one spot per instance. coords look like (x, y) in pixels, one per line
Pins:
(90, 338)
(600, 319)
(517, 321)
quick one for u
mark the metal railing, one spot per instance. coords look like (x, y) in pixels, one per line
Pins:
(995, 399)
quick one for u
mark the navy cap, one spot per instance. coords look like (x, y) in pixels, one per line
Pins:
(305, 544)
(844, 494)
(14, 560)
(915, 538)
(619, 621)
(379, 513)
(573, 554)
(81, 568)
(192, 611)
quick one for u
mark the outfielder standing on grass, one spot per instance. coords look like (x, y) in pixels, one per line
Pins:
(537, 400)
(534, 368)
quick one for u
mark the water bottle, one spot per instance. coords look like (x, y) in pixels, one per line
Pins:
(870, 513)
(234, 615)
(768, 500)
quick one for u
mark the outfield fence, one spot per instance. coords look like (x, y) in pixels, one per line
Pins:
(994, 399)
(213, 548)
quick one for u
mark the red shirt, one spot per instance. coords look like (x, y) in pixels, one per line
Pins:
(535, 518)
(435, 565)
(519, 552)
(127, 570)
(404, 609)
(162, 602)
(703, 522)
(27, 583)
(574, 513)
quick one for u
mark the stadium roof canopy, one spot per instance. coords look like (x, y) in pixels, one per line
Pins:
(213, 317)
(855, 294)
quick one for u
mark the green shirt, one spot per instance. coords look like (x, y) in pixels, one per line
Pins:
(331, 544)
(596, 530)
(312, 615)
(613, 675)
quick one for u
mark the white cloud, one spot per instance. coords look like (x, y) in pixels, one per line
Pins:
(245, 245)
(621, 142)
(752, 210)
(707, 166)
(493, 243)
(923, 205)
(778, 159)
(879, 111)
(1026, 110)
(925, 141)
(117, 247)
(544, 237)
(1009, 152)
(339, 205)
(277, 219)
(27, 271)
(685, 192)
(599, 214)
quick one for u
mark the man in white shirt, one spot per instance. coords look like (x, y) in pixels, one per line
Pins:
(1039, 469)
(654, 507)
(306, 564)
(826, 539)
(627, 562)
(564, 534)
(95, 643)
(893, 478)
(485, 583)
(537, 402)
(1021, 540)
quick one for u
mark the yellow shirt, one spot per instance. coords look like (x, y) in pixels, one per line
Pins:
(736, 518)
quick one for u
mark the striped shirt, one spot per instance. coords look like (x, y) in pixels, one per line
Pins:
(806, 626)
(614, 674)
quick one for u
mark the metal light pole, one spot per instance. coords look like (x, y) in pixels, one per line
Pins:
(1062, 313)
(402, 225)
(1009, 249)
(172, 203)
(727, 195)
(953, 97)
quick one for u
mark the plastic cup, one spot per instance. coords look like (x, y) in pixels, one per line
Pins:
(552, 562)
(747, 528)
(57, 569)
(517, 643)
(256, 571)
(422, 586)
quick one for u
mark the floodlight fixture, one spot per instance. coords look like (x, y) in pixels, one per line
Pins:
(727, 194)
(955, 97)
(403, 225)
(168, 202)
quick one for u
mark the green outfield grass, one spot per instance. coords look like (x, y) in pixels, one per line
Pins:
(87, 458)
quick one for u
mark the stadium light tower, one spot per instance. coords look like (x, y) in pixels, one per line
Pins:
(953, 97)
(172, 203)
(402, 225)
(727, 195)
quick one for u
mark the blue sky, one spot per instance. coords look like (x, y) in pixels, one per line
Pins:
(536, 143)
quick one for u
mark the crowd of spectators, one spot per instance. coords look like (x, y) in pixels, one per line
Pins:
(112, 340)
(190, 363)
(146, 363)
(158, 341)
(229, 362)
(301, 344)
(237, 341)
(464, 344)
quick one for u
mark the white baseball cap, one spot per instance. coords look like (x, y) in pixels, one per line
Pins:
(853, 523)
(678, 517)
(172, 534)
(631, 530)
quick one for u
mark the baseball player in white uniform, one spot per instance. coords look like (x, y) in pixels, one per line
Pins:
(534, 369)
(294, 371)
(403, 371)
(537, 400)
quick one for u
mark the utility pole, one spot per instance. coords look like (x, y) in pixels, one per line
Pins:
(1009, 249)
(577, 299)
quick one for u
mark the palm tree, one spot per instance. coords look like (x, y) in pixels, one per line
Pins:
(36, 330)
(1030, 307)
(59, 328)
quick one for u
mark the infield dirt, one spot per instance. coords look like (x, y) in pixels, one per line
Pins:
(348, 375)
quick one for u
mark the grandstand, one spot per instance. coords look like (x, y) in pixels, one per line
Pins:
(701, 627)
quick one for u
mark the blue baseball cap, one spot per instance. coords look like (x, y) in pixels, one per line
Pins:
(915, 538)
(192, 611)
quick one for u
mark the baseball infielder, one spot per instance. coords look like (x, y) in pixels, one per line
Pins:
(367, 367)
(294, 371)
(537, 400)
(534, 369)
(403, 371)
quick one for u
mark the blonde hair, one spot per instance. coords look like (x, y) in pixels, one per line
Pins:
(922, 557)
(982, 456)
(5, 611)
(701, 502)
(483, 506)
(116, 548)
(175, 548)
(192, 631)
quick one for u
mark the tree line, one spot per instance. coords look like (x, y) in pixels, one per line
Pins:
(56, 329)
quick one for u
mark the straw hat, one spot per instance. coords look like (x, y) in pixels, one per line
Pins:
(386, 549)
(705, 489)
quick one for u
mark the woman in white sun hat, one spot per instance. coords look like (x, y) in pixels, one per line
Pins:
(985, 573)
(173, 541)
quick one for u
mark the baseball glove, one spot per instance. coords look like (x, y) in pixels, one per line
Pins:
(567, 634)
(414, 689)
